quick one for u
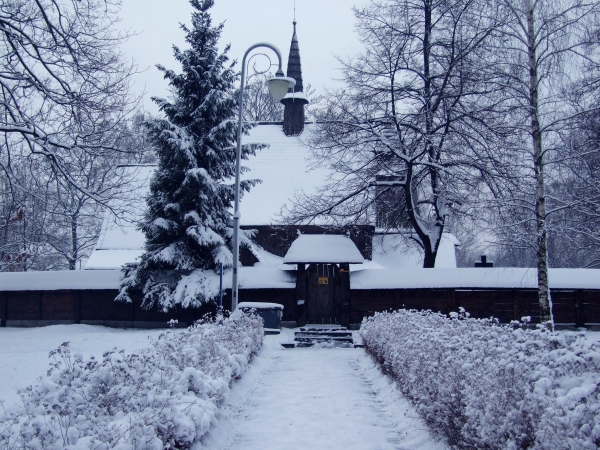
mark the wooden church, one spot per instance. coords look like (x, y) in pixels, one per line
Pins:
(305, 267)
(320, 274)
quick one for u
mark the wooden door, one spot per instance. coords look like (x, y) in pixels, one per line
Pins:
(324, 301)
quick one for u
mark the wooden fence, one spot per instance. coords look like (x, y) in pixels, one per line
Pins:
(96, 307)
(570, 307)
(35, 308)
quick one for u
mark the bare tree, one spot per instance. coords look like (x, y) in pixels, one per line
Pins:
(64, 87)
(418, 122)
(48, 223)
(541, 50)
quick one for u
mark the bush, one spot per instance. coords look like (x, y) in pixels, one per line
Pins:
(164, 397)
(483, 385)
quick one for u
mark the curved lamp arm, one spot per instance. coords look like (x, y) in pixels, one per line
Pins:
(288, 83)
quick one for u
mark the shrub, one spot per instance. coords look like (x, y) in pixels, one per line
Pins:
(489, 386)
(164, 397)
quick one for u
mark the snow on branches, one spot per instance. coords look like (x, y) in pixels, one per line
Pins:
(484, 385)
(188, 223)
(164, 397)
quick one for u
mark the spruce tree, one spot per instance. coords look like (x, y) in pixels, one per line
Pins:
(188, 222)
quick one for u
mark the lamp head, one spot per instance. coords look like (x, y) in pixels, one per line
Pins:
(279, 85)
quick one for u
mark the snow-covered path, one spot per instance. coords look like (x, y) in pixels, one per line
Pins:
(317, 398)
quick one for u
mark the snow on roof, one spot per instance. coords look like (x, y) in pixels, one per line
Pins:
(283, 167)
(249, 278)
(121, 233)
(60, 279)
(120, 241)
(267, 259)
(391, 252)
(103, 259)
(296, 95)
(273, 278)
(262, 278)
(473, 278)
(323, 248)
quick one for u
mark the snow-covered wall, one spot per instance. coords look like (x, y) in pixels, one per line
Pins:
(249, 278)
(275, 278)
(474, 278)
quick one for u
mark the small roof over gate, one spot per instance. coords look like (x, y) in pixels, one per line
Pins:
(323, 248)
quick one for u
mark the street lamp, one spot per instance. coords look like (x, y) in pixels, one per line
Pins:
(278, 87)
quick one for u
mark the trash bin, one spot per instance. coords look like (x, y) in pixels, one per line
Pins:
(270, 312)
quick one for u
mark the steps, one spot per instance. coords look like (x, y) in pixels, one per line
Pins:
(334, 336)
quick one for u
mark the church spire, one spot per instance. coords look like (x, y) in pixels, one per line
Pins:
(294, 101)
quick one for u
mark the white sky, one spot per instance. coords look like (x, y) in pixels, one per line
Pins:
(325, 29)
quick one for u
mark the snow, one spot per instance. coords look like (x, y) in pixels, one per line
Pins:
(104, 259)
(266, 277)
(249, 278)
(296, 95)
(391, 252)
(267, 259)
(482, 278)
(168, 392)
(284, 168)
(484, 385)
(60, 279)
(259, 305)
(24, 351)
(263, 278)
(323, 248)
(316, 398)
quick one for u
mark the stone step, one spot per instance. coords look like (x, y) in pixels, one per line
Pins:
(323, 329)
(323, 333)
(323, 339)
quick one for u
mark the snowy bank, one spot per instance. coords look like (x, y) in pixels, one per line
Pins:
(484, 385)
(166, 396)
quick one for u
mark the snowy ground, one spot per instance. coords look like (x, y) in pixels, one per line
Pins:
(321, 398)
(290, 398)
(24, 351)
(316, 398)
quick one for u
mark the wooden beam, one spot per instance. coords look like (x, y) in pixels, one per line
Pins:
(301, 300)
(345, 294)
(516, 306)
(77, 307)
(579, 309)
(3, 308)
(451, 300)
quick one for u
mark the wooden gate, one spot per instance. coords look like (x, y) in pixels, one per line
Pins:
(328, 293)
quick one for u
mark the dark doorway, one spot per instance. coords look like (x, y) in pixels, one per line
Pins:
(328, 292)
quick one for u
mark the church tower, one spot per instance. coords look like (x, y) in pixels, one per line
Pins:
(294, 101)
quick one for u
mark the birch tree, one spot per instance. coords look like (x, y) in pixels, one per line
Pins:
(542, 49)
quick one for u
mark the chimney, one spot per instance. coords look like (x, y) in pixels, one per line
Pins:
(294, 101)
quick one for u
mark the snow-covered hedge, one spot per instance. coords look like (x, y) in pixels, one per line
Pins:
(491, 386)
(163, 397)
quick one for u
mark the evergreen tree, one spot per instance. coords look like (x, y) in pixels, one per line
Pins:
(188, 223)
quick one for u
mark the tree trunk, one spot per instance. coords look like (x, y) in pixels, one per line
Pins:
(429, 260)
(538, 162)
(74, 244)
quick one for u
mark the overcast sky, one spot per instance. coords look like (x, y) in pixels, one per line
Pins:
(325, 29)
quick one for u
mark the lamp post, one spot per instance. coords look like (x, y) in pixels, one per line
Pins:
(278, 87)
